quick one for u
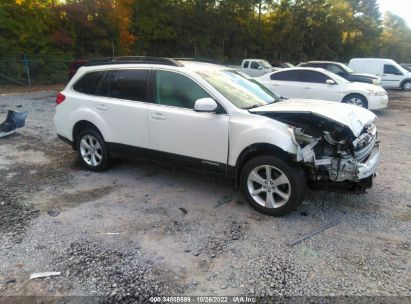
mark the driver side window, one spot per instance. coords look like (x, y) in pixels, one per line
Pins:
(392, 70)
(255, 65)
(176, 90)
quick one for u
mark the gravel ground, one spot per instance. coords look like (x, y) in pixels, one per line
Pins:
(142, 229)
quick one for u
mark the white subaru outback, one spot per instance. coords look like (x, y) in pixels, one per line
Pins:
(214, 118)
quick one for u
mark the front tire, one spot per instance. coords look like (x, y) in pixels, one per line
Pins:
(406, 86)
(92, 150)
(273, 186)
(356, 100)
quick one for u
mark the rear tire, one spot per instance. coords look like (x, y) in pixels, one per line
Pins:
(92, 150)
(356, 100)
(275, 195)
(406, 86)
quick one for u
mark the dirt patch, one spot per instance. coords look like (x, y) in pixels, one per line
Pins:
(11, 89)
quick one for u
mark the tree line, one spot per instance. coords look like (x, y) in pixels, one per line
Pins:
(223, 30)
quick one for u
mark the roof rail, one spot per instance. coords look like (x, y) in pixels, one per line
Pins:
(205, 60)
(133, 60)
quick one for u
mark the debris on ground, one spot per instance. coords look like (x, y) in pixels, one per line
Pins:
(44, 275)
(112, 233)
(11, 281)
(183, 210)
(14, 120)
(53, 213)
(314, 232)
(224, 200)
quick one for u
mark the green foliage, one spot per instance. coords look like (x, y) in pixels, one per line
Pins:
(54, 32)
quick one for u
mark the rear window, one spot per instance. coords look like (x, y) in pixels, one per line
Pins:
(286, 76)
(246, 64)
(125, 84)
(89, 83)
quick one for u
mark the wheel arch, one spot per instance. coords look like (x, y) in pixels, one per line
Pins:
(355, 94)
(404, 81)
(81, 125)
(254, 150)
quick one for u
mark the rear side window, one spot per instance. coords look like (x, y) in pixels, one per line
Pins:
(313, 77)
(125, 84)
(89, 83)
(286, 76)
(173, 89)
(246, 64)
(390, 69)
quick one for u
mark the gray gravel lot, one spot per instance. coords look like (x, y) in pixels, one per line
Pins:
(143, 229)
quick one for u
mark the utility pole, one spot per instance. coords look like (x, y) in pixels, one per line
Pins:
(112, 46)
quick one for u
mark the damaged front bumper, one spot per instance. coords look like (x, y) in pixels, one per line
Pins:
(342, 168)
(352, 170)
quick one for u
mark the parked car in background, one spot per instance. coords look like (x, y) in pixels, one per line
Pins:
(392, 74)
(212, 118)
(343, 70)
(256, 67)
(282, 64)
(74, 66)
(316, 83)
(406, 66)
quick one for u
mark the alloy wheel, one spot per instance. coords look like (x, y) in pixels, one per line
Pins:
(269, 186)
(90, 150)
(355, 101)
(407, 86)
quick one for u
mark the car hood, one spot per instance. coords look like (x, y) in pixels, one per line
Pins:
(364, 75)
(360, 87)
(353, 117)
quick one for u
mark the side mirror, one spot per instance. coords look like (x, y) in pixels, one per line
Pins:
(207, 105)
(260, 67)
(330, 81)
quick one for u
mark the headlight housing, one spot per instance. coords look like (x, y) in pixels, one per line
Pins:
(377, 92)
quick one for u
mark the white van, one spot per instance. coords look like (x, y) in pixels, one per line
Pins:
(392, 74)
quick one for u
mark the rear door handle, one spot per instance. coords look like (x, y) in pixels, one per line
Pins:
(101, 107)
(158, 116)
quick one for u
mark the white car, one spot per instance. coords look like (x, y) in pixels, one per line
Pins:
(256, 67)
(392, 74)
(317, 83)
(211, 117)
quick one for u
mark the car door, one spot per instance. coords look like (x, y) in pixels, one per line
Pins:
(285, 83)
(123, 106)
(391, 77)
(255, 69)
(174, 126)
(314, 86)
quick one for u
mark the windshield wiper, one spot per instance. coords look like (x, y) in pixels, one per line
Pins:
(261, 105)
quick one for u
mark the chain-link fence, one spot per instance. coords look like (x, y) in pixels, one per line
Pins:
(28, 71)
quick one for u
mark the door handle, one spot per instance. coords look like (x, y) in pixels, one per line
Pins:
(307, 88)
(101, 107)
(158, 116)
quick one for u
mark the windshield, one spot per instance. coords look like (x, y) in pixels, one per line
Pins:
(337, 78)
(347, 68)
(265, 64)
(241, 91)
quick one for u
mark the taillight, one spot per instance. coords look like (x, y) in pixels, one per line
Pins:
(60, 98)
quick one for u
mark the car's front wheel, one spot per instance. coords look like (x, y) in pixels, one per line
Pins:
(407, 86)
(273, 186)
(356, 100)
(92, 150)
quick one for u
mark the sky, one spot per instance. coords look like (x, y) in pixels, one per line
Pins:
(401, 8)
